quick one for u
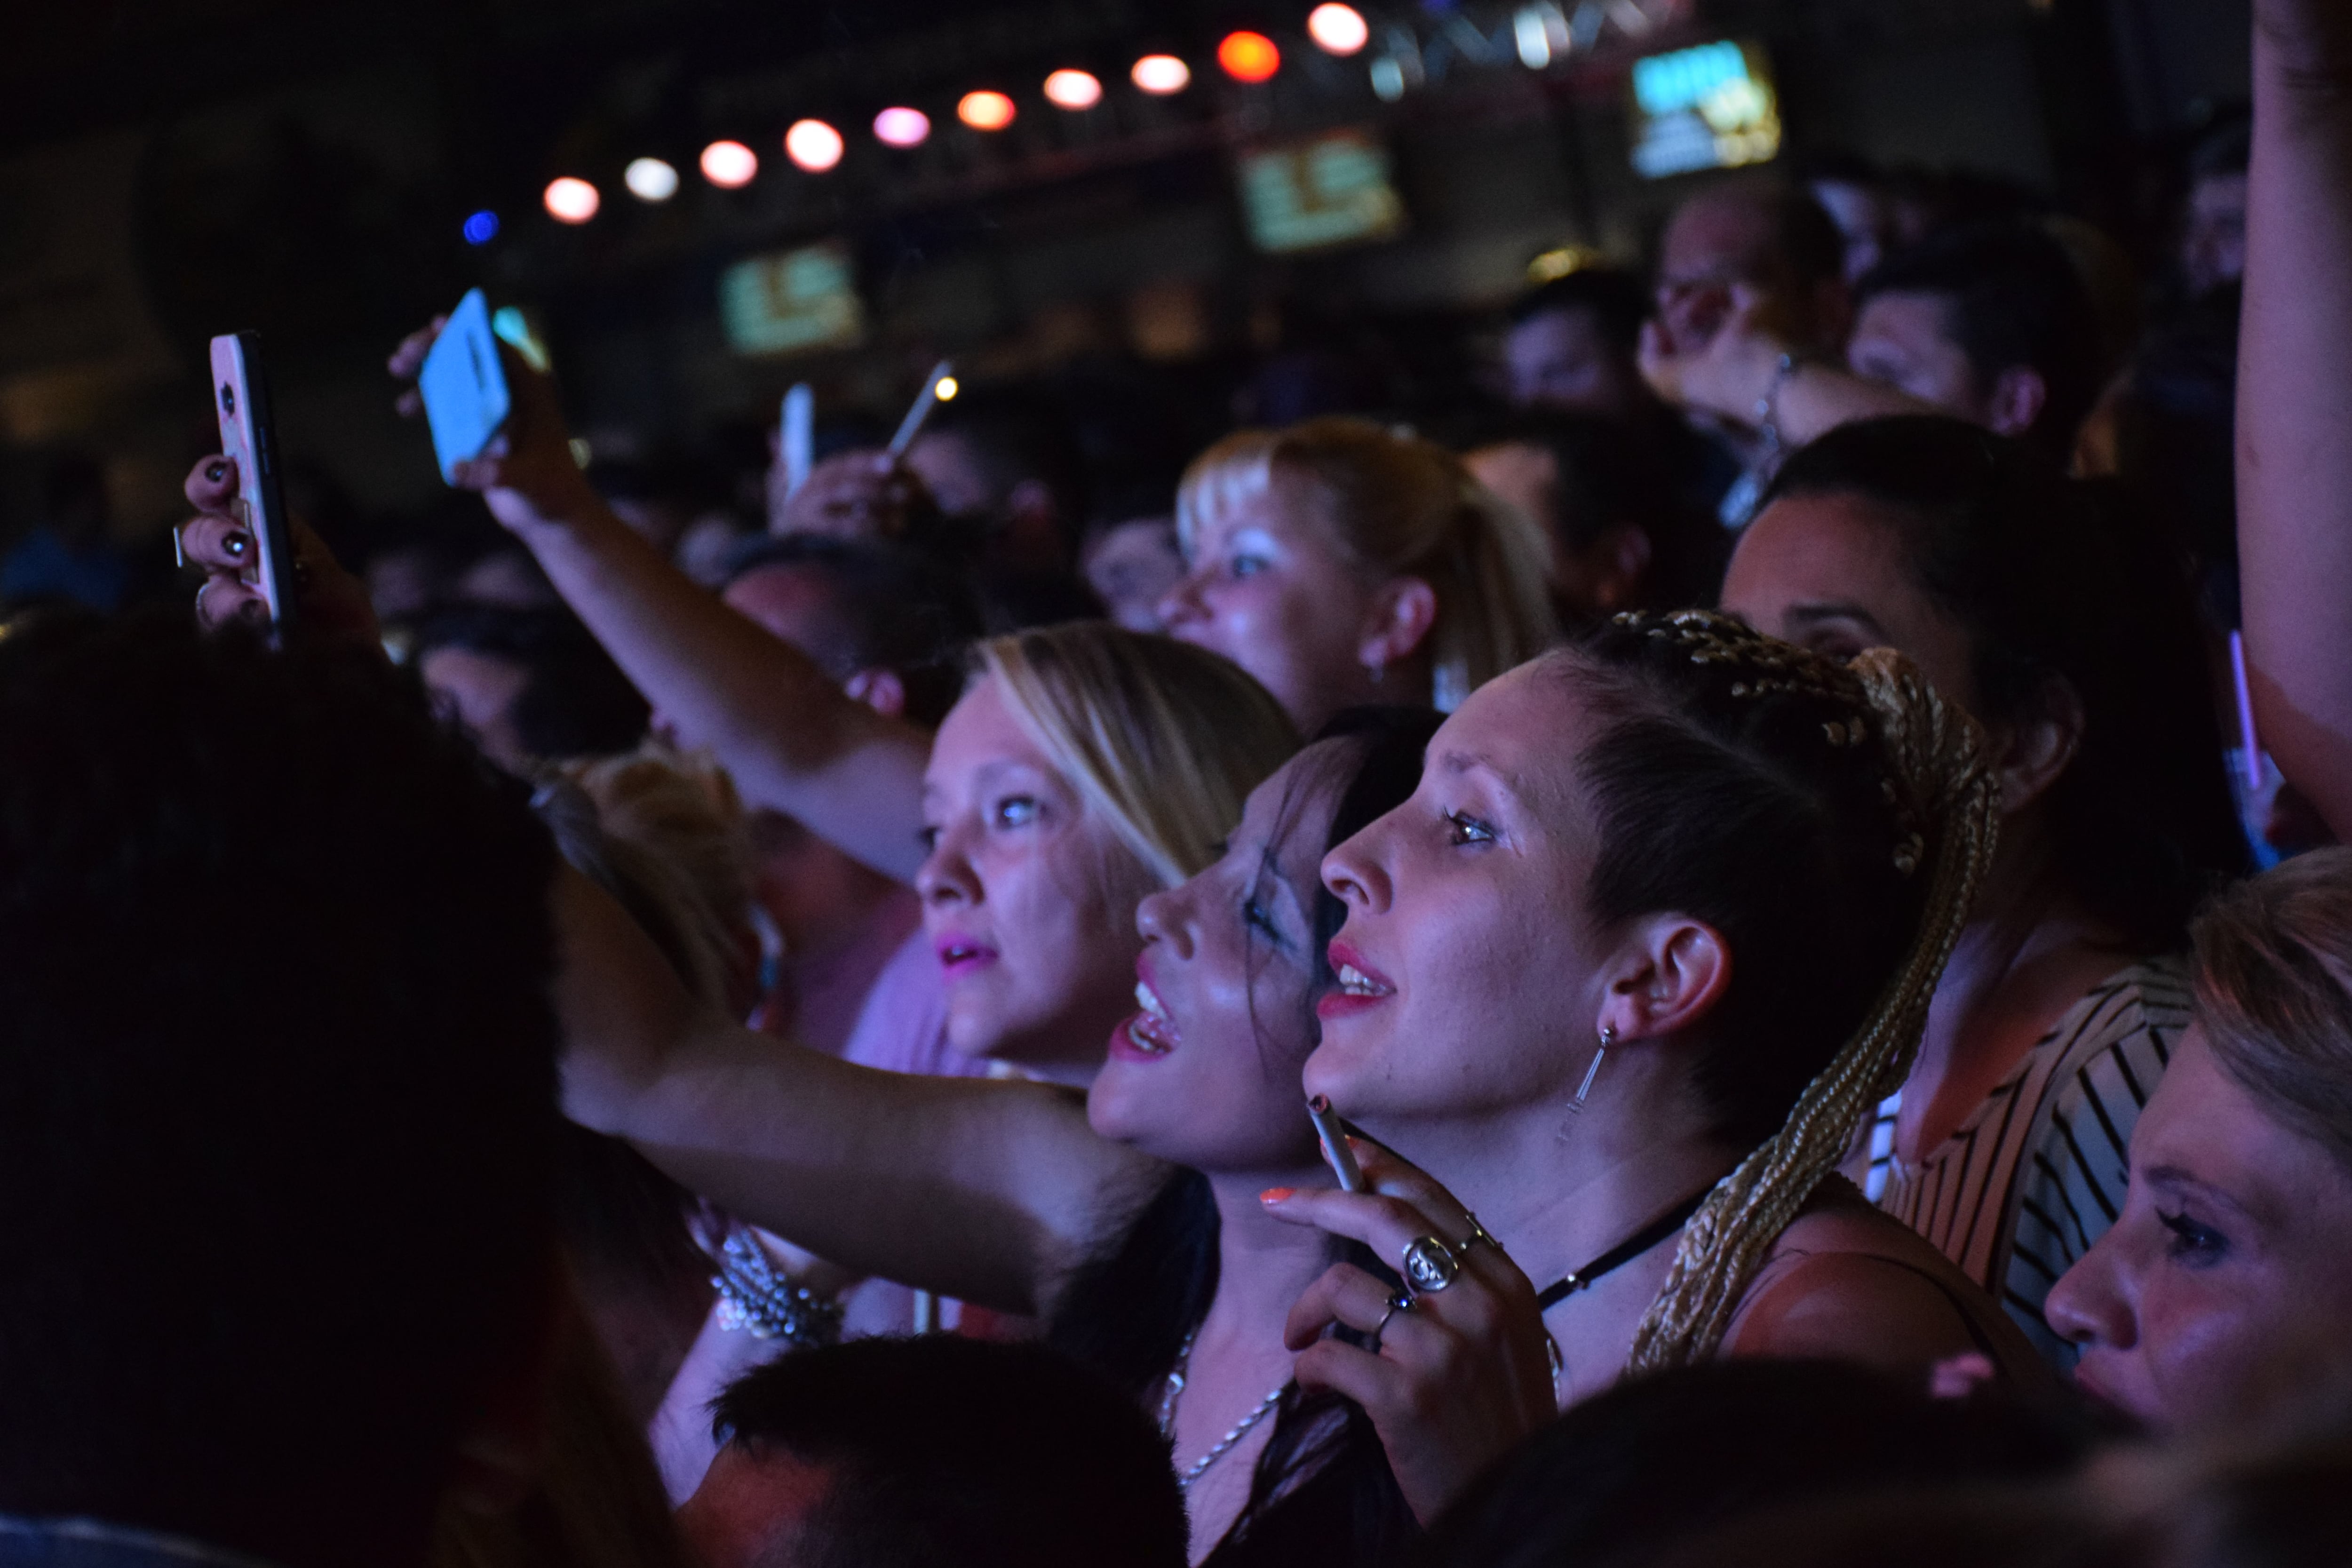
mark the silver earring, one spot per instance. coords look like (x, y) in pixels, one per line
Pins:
(1608, 1038)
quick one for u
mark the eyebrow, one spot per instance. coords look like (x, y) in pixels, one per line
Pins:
(2174, 1177)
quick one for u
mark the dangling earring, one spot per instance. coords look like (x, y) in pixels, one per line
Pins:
(1376, 672)
(1608, 1038)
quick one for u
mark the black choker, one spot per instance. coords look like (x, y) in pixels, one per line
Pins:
(1625, 1251)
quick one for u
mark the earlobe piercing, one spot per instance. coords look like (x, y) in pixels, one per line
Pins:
(1608, 1038)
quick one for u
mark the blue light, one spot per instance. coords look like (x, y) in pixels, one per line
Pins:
(482, 227)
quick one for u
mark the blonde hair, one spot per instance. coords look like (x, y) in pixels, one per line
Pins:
(665, 835)
(1401, 507)
(1946, 799)
(1161, 739)
(2274, 990)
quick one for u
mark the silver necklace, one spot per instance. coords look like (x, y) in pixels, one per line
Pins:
(1223, 1444)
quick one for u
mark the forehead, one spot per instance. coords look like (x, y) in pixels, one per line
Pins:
(979, 732)
(1556, 331)
(1527, 729)
(1837, 544)
(1917, 320)
(1718, 234)
(1290, 811)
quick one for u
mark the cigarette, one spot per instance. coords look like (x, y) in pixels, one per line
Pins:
(942, 376)
(1334, 1135)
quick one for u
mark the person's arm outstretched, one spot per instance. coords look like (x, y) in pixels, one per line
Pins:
(793, 739)
(2295, 401)
(989, 1192)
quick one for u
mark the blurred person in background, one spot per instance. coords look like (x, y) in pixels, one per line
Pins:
(1992, 324)
(2067, 632)
(1341, 563)
(1130, 553)
(1861, 201)
(2213, 252)
(1573, 345)
(888, 623)
(1728, 255)
(528, 686)
(1622, 538)
(326, 1110)
(926, 1452)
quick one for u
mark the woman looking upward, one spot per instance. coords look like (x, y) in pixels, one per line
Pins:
(1340, 562)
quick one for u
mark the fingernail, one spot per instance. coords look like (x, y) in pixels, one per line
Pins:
(1275, 1194)
(217, 471)
(238, 543)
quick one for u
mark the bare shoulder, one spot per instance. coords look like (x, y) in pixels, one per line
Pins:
(1851, 1283)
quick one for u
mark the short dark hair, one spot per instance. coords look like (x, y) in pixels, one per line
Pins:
(276, 1086)
(1680, 1452)
(1019, 432)
(2011, 297)
(576, 703)
(946, 1450)
(898, 607)
(1610, 472)
(1807, 239)
(1615, 300)
(2049, 578)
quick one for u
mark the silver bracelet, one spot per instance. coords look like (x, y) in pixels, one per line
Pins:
(1768, 416)
(753, 1297)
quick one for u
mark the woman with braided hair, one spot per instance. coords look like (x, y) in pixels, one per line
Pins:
(1660, 923)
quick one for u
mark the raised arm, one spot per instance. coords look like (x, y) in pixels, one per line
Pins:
(990, 1192)
(2294, 400)
(1738, 378)
(793, 739)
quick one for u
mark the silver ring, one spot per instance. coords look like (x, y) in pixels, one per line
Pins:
(1478, 1236)
(1429, 1264)
(1398, 1302)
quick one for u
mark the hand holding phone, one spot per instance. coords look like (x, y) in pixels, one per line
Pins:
(248, 437)
(464, 386)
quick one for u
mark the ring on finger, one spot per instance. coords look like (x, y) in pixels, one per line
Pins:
(1479, 1236)
(1399, 1301)
(1429, 1265)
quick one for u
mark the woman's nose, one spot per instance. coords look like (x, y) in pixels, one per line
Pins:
(1354, 874)
(1181, 604)
(1161, 918)
(946, 874)
(2089, 1306)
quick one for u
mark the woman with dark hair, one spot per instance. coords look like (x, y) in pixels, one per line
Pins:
(1141, 1240)
(2072, 638)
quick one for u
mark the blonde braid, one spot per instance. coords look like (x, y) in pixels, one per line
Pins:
(1946, 797)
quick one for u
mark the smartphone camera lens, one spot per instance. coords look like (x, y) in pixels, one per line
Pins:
(228, 399)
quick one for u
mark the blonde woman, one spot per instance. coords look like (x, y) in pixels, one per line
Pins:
(1341, 563)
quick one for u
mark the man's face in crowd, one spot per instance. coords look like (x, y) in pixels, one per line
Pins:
(1562, 359)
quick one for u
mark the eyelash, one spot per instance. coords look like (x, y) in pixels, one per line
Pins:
(1255, 914)
(1000, 814)
(1245, 565)
(1468, 829)
(2194, 1243)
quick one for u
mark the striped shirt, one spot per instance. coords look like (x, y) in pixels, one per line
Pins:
(2037, 1174)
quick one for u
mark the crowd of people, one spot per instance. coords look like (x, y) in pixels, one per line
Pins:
(1695, 969)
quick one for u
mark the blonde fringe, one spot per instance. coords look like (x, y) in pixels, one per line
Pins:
(1936, 756)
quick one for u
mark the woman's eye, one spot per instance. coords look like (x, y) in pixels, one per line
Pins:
(1017, 811)
(929, 836)
(1246, 565)
(1258, 918)
(2194, 1243)
(1463, 828)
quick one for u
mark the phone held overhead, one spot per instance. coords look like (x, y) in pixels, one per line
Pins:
(464, 386)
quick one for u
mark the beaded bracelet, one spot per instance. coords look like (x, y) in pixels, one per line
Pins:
(752, 1296)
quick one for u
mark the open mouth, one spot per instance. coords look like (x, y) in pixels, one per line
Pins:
(1151, 1032)
(961, 955)
(1360, 986)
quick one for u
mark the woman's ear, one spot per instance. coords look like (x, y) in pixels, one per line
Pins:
(1397, 622)
(2017, 397)
(2039, 743)
(1667, 974)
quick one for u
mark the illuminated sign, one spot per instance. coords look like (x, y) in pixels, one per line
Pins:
(1328, 190)
(790, 302)
(1711, 107)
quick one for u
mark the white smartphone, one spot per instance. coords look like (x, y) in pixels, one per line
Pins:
(249, 439)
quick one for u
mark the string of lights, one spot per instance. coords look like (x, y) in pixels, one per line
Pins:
(1399, 57)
